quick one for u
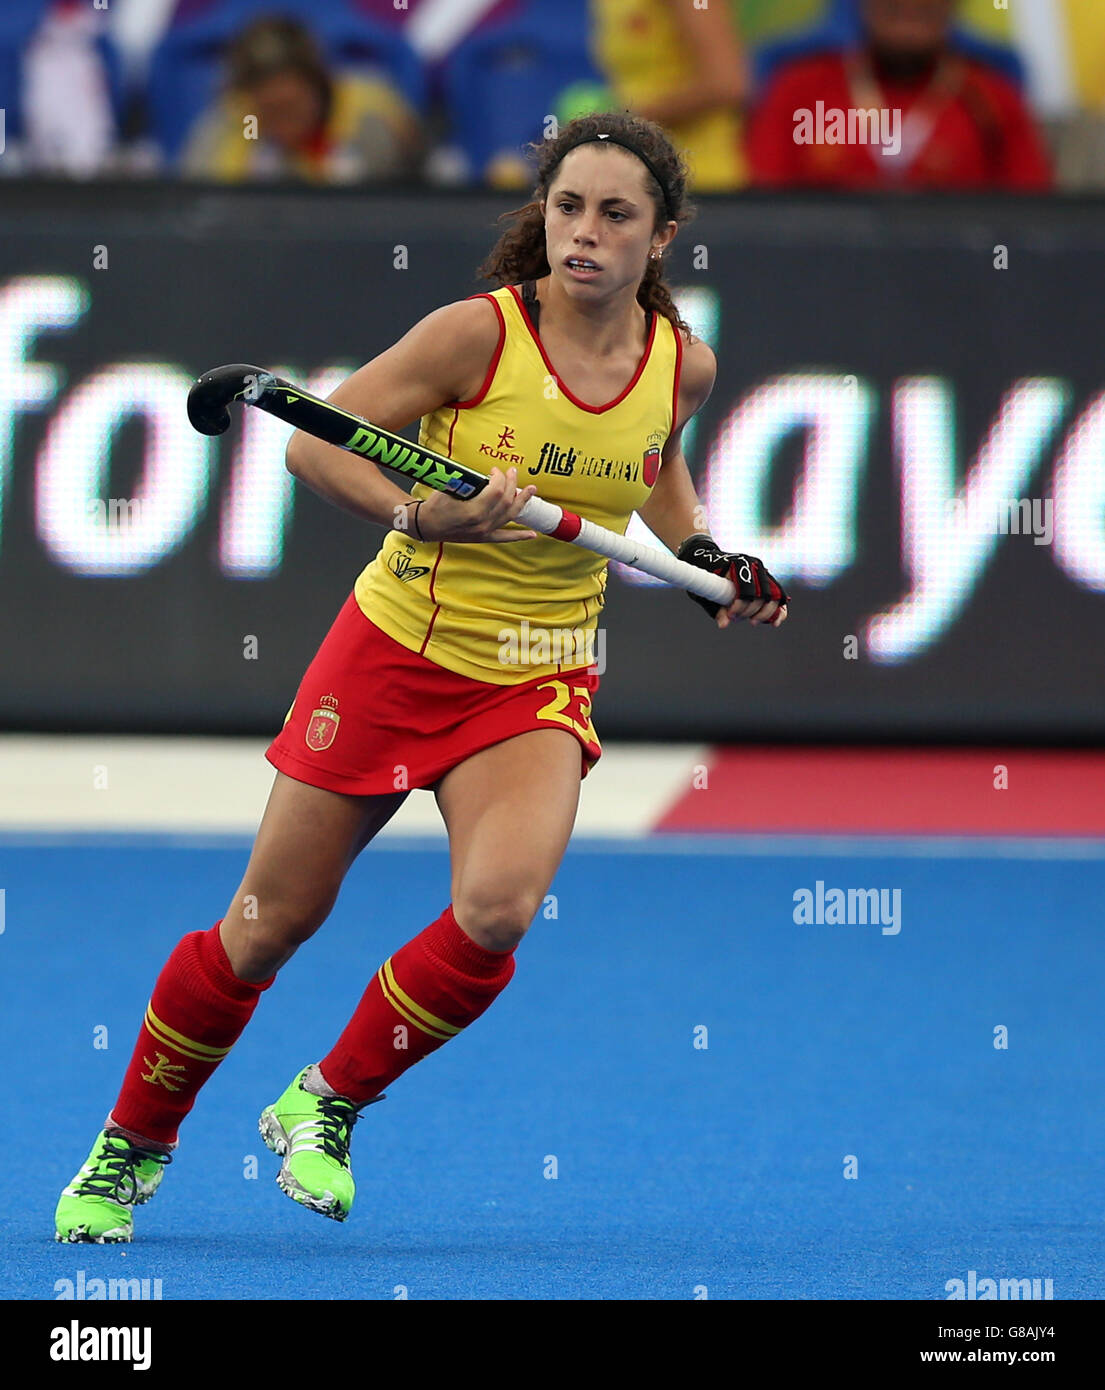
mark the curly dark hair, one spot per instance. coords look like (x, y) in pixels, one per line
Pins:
(519, 254)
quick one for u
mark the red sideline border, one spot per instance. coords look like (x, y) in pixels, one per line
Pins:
(880, 791)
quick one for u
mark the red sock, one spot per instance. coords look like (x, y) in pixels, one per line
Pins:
(196, 1015)
(421, 997)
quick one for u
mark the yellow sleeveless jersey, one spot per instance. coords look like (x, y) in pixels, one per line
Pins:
(525, 609)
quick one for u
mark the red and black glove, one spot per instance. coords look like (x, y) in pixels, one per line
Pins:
(751, 578)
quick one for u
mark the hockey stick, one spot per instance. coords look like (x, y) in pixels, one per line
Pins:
(215, 390)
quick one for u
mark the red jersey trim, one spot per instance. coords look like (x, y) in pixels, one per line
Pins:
(493, 368)
(433, 572)
(429, 632)
(678, 373)
(581, 405)
(433, 600)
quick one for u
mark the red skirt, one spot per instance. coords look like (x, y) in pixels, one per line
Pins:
(371, 716)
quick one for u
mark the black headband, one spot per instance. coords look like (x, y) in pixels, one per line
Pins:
(626, 145)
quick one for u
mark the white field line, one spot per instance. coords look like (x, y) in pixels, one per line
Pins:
(210, 787)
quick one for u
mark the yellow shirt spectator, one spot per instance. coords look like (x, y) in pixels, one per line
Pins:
(684, 68)
(370, 133)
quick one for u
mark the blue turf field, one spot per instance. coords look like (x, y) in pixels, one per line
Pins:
(678, 1167)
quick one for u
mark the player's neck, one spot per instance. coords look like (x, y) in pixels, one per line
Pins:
(599, 330)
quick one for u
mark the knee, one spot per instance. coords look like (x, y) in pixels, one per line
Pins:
(495, 921)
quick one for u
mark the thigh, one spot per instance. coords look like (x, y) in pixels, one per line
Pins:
(509, 811)
(306, 842)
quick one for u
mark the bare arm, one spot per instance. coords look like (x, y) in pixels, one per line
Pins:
(443, 358)
(673, 511)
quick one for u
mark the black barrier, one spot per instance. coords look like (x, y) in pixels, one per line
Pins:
(908, 426)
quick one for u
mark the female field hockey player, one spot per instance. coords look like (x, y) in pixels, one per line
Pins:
(576, 372)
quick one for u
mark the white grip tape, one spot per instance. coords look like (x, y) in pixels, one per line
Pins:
(545, 517)
(540, 515)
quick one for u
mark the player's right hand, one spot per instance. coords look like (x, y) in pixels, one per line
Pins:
(481, 518)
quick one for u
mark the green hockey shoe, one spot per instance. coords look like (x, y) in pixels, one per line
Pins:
(96, 1206)
(312, 1135)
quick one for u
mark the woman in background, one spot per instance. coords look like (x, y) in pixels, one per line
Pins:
(683, 68)
(307, 123)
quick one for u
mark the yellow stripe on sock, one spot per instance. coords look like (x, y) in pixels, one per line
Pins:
(415, 1013)
(405, 1014)
(410, 1018)
(159, 1037)
(199, 1052)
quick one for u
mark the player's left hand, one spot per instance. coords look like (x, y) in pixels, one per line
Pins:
(760, 597)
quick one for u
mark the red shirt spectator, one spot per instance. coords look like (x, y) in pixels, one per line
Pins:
(960, 125)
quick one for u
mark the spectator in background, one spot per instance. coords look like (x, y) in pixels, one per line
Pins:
(959, 123)
(683, 67)
(68, 120)
(308, 124)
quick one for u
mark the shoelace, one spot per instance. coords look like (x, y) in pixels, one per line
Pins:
(116, 1176)
(335, 1126)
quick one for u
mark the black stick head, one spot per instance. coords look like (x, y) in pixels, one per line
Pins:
(212, 393)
